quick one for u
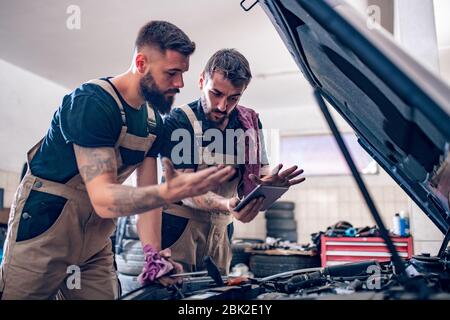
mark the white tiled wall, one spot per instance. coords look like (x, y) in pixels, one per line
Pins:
(323, 201)
(9, 181)
(427, 237)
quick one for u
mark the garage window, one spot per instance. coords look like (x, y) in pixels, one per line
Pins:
(319, 155)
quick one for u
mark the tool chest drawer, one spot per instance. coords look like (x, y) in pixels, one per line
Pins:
(341, 250)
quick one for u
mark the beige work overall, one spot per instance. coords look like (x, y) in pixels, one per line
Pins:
(205, 233)
(39, 268)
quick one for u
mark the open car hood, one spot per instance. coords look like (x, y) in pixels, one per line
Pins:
(399, 110)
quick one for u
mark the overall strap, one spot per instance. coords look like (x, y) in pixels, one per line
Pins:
(196, 126)
(193, 120)
(151, 117)
(105, 85)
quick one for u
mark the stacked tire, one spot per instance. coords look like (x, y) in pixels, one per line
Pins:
(129, 254)
(263, 265)
(239, 249)
(280, 221)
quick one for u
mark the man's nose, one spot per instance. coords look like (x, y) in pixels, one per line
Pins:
(178, 82)
(223, 104)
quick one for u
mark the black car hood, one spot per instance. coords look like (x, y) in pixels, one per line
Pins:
(399, 110)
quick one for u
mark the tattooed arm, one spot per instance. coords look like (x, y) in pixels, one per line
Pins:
(98, 168)
(212, 202)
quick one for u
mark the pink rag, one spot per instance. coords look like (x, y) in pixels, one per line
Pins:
(249, 120)
(155, 266)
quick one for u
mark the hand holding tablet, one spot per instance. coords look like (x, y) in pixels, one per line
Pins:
(269, 193)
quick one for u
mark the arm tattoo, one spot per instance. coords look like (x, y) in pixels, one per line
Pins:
(95, 161)
(210, 202)
(130, 200)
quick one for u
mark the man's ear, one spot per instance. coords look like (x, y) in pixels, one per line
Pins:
(140, 62)
(202, 80)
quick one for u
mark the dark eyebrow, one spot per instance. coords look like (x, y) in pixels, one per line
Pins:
(219, 92)
(176, 70)
(216, 91)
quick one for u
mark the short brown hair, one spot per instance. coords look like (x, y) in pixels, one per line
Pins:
(164, 36)
(232, 64)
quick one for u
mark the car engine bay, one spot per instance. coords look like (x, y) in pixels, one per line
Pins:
(427, 277)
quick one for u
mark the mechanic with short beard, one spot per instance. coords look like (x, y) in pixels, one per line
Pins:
(58, 242)
(202, 226)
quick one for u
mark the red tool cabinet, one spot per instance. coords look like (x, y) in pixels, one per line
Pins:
(344, 249)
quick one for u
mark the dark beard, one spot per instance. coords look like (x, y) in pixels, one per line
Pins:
(208, 113)
(219, 122)
(153, 95)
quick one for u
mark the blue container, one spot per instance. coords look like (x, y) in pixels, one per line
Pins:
(404, 224)
(350, 232)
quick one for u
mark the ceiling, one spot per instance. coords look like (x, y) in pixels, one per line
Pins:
(38, 40)
(35, 37)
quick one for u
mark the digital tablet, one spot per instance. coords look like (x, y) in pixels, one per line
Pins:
(270, 194)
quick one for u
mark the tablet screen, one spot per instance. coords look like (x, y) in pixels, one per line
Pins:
(270, 194)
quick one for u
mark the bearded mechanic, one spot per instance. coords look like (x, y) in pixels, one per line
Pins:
(64, 209)
(202, 226)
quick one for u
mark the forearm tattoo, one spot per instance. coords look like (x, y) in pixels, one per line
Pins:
(210, 202)
(130, 200)
(95, 161)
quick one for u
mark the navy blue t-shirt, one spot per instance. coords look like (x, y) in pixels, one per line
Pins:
(90, 117)
(177, 119)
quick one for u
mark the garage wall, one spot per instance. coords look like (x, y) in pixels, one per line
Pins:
(441, 9)
(9, 182)
(34, 99)
(322, 201)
